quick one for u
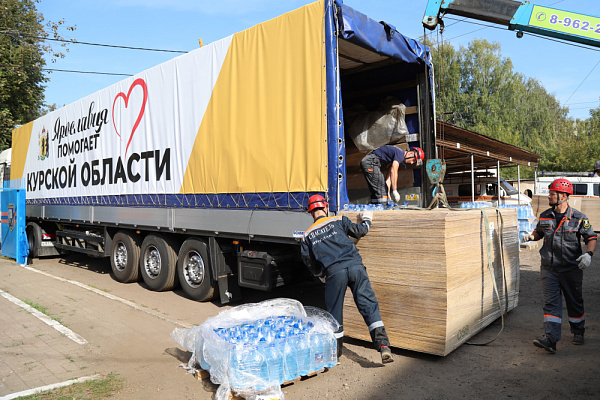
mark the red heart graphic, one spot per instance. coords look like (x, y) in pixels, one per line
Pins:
(135, 83)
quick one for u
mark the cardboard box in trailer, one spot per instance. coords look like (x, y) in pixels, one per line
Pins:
(199, 170)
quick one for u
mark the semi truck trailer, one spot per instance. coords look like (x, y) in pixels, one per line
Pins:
(197, 172)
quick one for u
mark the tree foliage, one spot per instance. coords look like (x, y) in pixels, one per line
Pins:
(22, 49)
(478, 89)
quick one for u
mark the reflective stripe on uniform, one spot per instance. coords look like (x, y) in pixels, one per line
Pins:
(374, 325)
(552, 318)
(577, 320)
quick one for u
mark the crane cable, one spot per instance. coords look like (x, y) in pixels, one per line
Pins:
(440, 196)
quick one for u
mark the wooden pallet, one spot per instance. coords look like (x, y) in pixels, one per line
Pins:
(304, 377)
(201, 375)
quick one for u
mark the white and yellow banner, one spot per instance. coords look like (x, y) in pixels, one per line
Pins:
(245, 114)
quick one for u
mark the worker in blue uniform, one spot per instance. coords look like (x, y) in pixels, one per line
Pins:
(563, 262)
(387, 159)
(330, 255)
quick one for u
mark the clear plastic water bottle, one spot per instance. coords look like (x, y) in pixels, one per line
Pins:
(253, 367)
(290, 364)
(222, 333)
(329, 350)
(199, 352)
(268, 323)
(316, 351)
(274, 360)
(244, 336)
(237, 380)
(302, 344)
(299, 324)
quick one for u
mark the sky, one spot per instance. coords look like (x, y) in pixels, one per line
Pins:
(570, 72)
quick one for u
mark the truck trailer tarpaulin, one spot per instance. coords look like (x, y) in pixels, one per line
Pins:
(177, 172)
(249, 121)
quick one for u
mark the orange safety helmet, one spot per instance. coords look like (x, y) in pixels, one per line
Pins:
(316, 201)
(561, 185)
(419, 153)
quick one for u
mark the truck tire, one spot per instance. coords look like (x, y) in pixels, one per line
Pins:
(158, 263)
(34, 239)
(193, 271)
(125, 257)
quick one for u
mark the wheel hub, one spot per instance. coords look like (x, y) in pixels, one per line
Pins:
(194, 269)
(120, 256)
(152, 262)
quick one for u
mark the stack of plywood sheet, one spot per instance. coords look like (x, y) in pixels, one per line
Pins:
(429, 270)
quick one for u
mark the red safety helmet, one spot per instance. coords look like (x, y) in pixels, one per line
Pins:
(316, 201)
(561, 185)
(419, 153)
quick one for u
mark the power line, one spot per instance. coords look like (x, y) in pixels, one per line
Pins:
(8, 32)
(567, 102)
(65, 70)
(587, 102)
(85, 72)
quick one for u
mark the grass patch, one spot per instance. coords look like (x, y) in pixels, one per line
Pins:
(97, 288)
(13, 344)
(41, 309)
(90, 390)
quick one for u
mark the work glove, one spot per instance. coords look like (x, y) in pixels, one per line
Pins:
(396, 196)
(584, 261)
(366, 216)
(528, 238)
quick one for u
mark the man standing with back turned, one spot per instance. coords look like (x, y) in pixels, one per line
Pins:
(330, 255)
(562, 228)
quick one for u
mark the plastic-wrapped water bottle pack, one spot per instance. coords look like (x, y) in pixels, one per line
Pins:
(526, 218)
(254, 348)
(369, 207)
(476, 204)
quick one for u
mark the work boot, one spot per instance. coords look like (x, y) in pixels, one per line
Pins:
(386, 355)
(379, 338)
(545, 343)
(578, 339)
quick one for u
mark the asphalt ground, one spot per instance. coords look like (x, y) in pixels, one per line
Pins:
(126, 330)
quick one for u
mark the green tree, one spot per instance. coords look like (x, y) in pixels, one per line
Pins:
(483, 93)
(22, 48)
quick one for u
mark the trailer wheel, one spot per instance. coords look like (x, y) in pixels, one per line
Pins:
(194, 272)
(34, 239)
(125, 257)
(158, 263)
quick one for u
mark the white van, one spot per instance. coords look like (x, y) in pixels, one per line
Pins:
(458, 190)
(5, 158)
(583, 186)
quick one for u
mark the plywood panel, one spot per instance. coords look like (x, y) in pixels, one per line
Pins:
(429, 270)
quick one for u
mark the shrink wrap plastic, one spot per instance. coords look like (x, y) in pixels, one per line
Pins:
(216, 344)
(386, 125)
